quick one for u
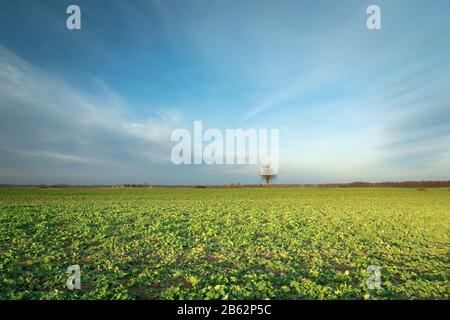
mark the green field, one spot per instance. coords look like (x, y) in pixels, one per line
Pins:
(275, 243)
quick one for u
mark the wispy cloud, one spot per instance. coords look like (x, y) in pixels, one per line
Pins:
(44, 119)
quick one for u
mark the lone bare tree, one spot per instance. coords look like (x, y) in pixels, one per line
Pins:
(267, 174)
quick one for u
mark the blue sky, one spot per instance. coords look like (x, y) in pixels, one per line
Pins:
(98, 105)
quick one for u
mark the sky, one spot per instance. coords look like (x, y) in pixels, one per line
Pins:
(98, 105)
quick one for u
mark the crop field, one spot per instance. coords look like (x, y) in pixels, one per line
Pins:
(242, 243)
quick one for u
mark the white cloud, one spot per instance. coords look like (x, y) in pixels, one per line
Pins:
(45, 120)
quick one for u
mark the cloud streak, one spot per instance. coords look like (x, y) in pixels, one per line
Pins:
(44, 120)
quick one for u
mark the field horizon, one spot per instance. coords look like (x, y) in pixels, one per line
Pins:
(354, 184)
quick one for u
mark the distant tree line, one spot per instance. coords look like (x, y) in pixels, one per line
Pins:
(388, 184)
(391, 184)
(59, 185)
